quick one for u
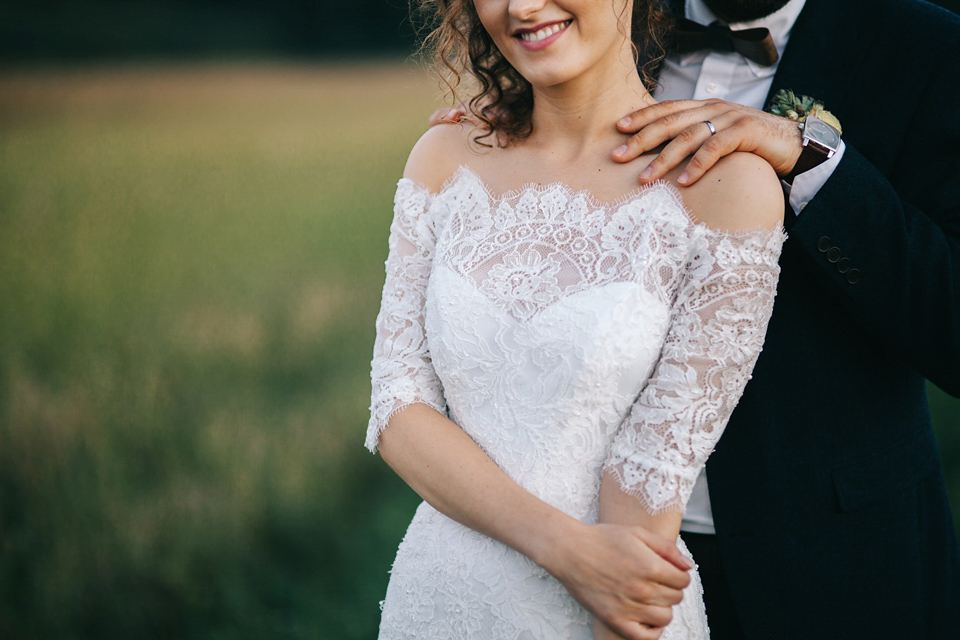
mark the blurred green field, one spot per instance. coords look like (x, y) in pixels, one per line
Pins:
(190, 266)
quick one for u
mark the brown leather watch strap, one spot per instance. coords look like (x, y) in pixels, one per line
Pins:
(810, 156)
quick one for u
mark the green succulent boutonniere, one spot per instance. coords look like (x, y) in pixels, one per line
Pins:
(789, 105)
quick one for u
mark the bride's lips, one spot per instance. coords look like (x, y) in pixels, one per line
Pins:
(542, 35)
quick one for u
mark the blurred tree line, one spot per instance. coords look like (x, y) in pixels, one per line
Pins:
(87, 29)
(90, 29)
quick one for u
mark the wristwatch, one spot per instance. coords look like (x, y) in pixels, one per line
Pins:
(820, 142)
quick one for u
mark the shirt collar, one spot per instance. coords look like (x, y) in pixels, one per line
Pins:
(780, 23)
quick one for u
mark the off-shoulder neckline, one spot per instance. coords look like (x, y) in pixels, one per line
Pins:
(635, 195)
(589, 198)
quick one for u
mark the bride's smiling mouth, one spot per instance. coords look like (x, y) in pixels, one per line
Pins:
(542, 35)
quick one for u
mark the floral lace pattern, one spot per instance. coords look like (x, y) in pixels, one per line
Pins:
(565, 336)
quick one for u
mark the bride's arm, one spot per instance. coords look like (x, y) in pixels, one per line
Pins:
(621, 574)
(453, 474)
(618, 507)
(719, 319)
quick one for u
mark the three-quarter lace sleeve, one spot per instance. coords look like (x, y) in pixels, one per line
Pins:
(719, 320)
(401, 371)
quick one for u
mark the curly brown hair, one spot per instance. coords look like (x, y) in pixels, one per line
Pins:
(503, 100)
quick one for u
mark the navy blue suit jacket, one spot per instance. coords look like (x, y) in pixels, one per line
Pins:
(827, 490)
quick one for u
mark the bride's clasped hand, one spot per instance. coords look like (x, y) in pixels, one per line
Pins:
(557, 349)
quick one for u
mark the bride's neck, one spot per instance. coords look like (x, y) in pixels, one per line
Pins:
(577, 118)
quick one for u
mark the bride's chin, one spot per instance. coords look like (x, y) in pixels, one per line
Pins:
(552, 76)
(549, 79)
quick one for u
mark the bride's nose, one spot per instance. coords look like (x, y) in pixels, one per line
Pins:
(524, 9)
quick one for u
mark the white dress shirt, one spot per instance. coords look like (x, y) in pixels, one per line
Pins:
(701, 75)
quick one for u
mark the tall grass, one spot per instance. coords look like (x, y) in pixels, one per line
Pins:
(190, 265)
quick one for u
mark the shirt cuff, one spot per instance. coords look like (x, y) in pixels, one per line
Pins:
(806, 185)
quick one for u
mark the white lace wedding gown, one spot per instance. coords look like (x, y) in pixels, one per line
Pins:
(565, 336)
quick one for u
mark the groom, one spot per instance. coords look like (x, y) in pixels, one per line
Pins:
(823, 513)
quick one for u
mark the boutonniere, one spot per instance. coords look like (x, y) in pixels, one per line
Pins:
(789, 105)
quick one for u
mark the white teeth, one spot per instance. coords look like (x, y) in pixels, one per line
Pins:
(546, 32)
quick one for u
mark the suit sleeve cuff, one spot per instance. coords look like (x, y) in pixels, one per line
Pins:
(806, 185)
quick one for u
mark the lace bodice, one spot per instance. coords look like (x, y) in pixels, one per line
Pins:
(567, 335)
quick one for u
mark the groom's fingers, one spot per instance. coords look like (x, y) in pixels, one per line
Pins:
(699, 141)
(446, 116)
(683, 130)
(666, 112)
(654, 125)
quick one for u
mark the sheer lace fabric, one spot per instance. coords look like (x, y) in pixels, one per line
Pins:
(565, 336)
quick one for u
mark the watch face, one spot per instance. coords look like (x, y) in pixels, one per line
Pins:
(822, 133)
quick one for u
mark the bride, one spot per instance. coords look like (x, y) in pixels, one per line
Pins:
(557, 350)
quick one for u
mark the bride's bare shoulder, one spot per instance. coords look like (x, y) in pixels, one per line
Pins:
(741, 192)
(439, 152)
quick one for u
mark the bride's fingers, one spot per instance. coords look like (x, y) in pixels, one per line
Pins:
(654, 617)
(657, 595)
(647, 588)
(633, 630)
(667, 549)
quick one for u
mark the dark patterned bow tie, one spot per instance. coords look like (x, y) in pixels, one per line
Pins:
(753, 44)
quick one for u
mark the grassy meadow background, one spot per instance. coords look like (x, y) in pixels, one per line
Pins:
(190, 264)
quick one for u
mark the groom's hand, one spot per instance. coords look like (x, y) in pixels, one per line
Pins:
(626, 576)
(448, 116)
(681, 125)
